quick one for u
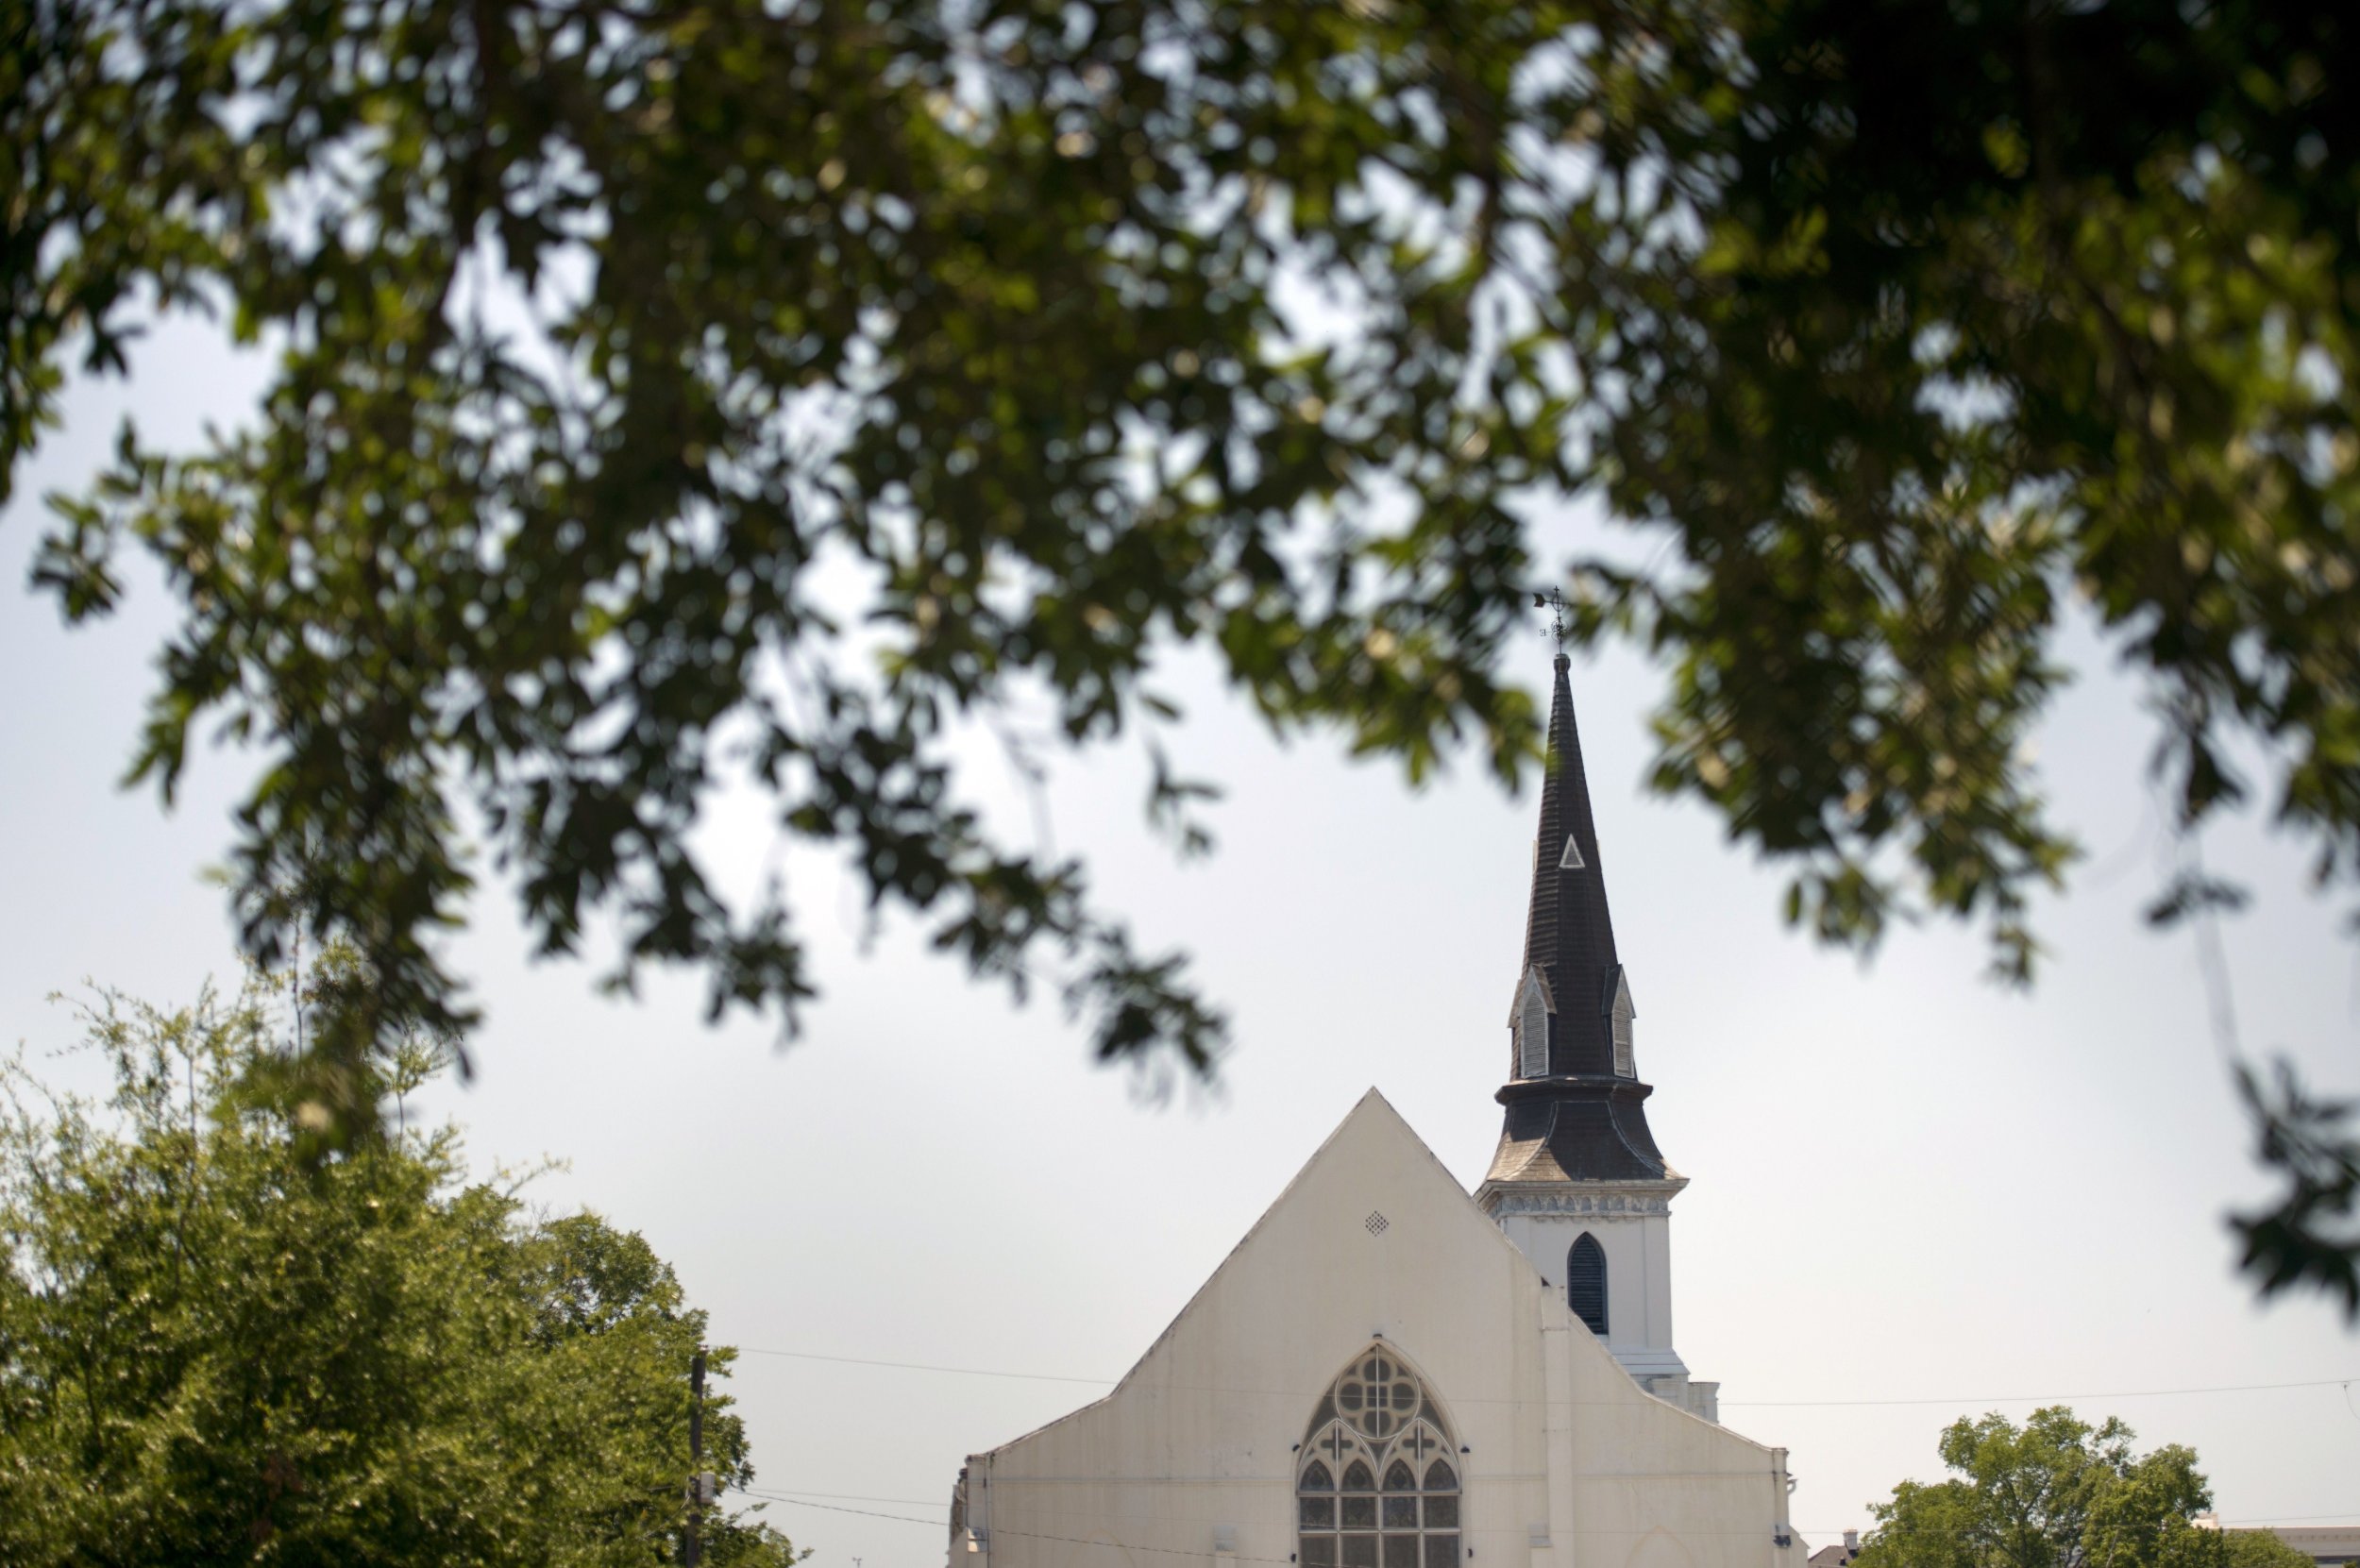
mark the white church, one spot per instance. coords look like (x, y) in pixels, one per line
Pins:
(1389, 1373)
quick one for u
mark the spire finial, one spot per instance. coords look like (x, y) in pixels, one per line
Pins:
(1554, 602)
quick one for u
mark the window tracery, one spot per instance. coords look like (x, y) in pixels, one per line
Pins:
(1377, 1421)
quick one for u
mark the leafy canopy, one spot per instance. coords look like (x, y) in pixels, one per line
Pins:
(217, 1345)
(759, 390)
(2056, 1494)
(2262, 1549)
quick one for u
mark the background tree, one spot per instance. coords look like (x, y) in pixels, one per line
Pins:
(2262, 1549)
(666, 396)
(2057, 1493)
(219, 1346)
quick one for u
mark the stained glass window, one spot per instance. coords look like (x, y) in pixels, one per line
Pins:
(1377, 1421)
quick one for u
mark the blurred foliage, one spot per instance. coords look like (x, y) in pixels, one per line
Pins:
(668, 396)
(219, 1346)
(2311, 1236)
(2252, 1548)
(2055, 1493)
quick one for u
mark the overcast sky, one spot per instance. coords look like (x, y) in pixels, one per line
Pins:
(1914, 1196)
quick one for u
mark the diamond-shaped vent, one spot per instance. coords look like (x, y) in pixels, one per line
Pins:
(1377, 1222)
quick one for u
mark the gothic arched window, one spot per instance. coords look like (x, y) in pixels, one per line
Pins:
(1585, 1283)
(1377, 1486)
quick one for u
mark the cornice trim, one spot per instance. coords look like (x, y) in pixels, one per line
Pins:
(1589, 1201)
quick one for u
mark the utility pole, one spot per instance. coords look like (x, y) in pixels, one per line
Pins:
(692, 1549)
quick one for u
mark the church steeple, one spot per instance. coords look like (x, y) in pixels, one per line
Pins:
(1576, 1107)
(1569, 932)
(1577, 1182)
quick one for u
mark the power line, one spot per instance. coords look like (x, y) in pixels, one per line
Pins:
(805, 1502)
(806, 1499)
(864, 1513)
(1021, 1535)
(1730, 1404)
(2032, 1398)
(2226, 1524)
(793, 1493)
(1163, 1551)
(921, 1366)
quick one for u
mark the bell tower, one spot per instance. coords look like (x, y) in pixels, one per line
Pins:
(1577, 1182)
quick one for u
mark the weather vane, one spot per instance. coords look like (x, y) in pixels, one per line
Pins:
(1554, 602)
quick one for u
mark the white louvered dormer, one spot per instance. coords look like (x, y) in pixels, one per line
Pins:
(1531, 1027)
(1621, 1012)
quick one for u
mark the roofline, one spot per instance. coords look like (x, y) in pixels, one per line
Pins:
(1219, 1268)
(1499, 1239)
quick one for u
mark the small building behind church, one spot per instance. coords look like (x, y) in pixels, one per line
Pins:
(1389, 1372)
(2328, 1545)
(1837, 1556)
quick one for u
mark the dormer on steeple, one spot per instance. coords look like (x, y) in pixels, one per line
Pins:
(1528, 1026)
(1619, 1012)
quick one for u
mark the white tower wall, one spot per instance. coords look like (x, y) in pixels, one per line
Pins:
(1632, 1224)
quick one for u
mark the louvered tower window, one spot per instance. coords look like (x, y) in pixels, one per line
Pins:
(1585, 1283)
(1376, 1486)
(1532, 1031)
(1621, 1012)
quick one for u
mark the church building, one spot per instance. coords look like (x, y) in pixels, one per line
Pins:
(1389, 1373)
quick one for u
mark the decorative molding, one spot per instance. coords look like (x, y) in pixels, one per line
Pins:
(1575, 1204)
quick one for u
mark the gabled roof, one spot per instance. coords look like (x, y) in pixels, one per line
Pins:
(1534, 976)
(1617, 989)
(1372, 1120)
(1373, 1157)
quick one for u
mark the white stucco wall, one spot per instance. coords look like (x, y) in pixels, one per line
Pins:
(1637, 1275)
(1568, 1464)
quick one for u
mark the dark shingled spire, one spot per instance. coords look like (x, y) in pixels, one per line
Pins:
(1569, 935)
(1581, 1121)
